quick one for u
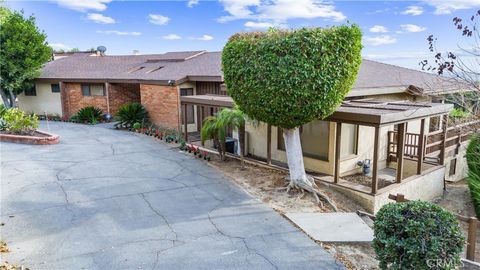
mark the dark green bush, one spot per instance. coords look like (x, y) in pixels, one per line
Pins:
(417, 235)
(473, 161)
(88, 114)
(131, 113)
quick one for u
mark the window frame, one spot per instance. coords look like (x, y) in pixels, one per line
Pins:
(89, 85)
(32, 92)
(52, 86)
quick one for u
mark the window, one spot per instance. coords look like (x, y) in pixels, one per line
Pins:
(190, 108)
(434, 124)
(314, 137)
(93, 90)
(349, 140)
(32, 91)
(55, 88)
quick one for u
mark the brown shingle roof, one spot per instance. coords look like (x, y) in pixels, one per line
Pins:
(175, 66)
(179, 66)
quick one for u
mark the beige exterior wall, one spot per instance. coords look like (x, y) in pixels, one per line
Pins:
(44, 102)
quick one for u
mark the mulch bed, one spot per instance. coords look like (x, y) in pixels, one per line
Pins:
(365, 180)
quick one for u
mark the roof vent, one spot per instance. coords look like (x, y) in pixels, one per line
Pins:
(135, 69)
(101, 50)
(155, 69)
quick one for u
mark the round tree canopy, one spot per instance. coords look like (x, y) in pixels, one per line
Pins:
(289, 78)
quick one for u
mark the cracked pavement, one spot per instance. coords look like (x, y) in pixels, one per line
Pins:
(108, 199)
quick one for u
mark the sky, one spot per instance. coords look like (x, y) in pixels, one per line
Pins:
(394, 32)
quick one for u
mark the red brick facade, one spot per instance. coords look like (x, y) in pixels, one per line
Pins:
(118, 94)
(121, 93)
(162, 104)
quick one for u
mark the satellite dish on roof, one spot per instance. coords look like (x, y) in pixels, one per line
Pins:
(101, 49)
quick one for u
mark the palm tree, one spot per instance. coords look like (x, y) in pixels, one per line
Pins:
(235, 119)
(213, 129)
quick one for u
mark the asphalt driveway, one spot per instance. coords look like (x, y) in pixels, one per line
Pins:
(108, 199)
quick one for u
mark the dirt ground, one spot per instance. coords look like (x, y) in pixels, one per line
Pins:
(265, 184)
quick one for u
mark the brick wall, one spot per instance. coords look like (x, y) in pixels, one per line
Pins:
(73, 99)
(121, 93)
(162, 104)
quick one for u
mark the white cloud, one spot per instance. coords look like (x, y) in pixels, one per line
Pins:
(378, 29)
(279, 11)
(99, 18)
(413, 10)
(204, 38)
(399, 55)
(158, 19)
(59, 46)
(380, 40)
(192, 3)
(84, 5)
(448, 6)
(412, 28)
(172, 37)
(119, 33)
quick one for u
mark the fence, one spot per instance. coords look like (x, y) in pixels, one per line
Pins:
(455, 136)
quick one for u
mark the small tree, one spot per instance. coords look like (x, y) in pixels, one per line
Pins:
(213, 129)
(460, 65)
(23, 51)
(473, 161)
(290, 78)
(235, 120)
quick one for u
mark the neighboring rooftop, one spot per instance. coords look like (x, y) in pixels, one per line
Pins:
(373, 77)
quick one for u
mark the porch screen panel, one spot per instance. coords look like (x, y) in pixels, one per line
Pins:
(314, 137)
(190, 108)
(349, 140)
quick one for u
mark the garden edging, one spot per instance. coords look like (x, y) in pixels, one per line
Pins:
(26, 139)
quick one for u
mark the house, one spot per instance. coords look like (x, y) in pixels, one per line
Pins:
(392, 121)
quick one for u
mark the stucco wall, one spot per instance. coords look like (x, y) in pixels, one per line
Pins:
(257, 146)
(427, 186)
(44, 102)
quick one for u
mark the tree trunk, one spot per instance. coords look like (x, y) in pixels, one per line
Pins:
(5, 99)
(293, 147)
(298, 177)
(13, 103)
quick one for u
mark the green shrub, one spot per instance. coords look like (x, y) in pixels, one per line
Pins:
(458, 113)
(14, 120)
(137, 125)
(416, 235)
(473, 161)
(88, 114)
(131, 113)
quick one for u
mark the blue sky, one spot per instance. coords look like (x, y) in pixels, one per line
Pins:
(394, 31)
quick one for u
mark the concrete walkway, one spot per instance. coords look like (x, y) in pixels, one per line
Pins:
(107, 199)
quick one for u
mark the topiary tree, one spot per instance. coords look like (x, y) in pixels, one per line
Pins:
(290, 78)
(417, 235)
